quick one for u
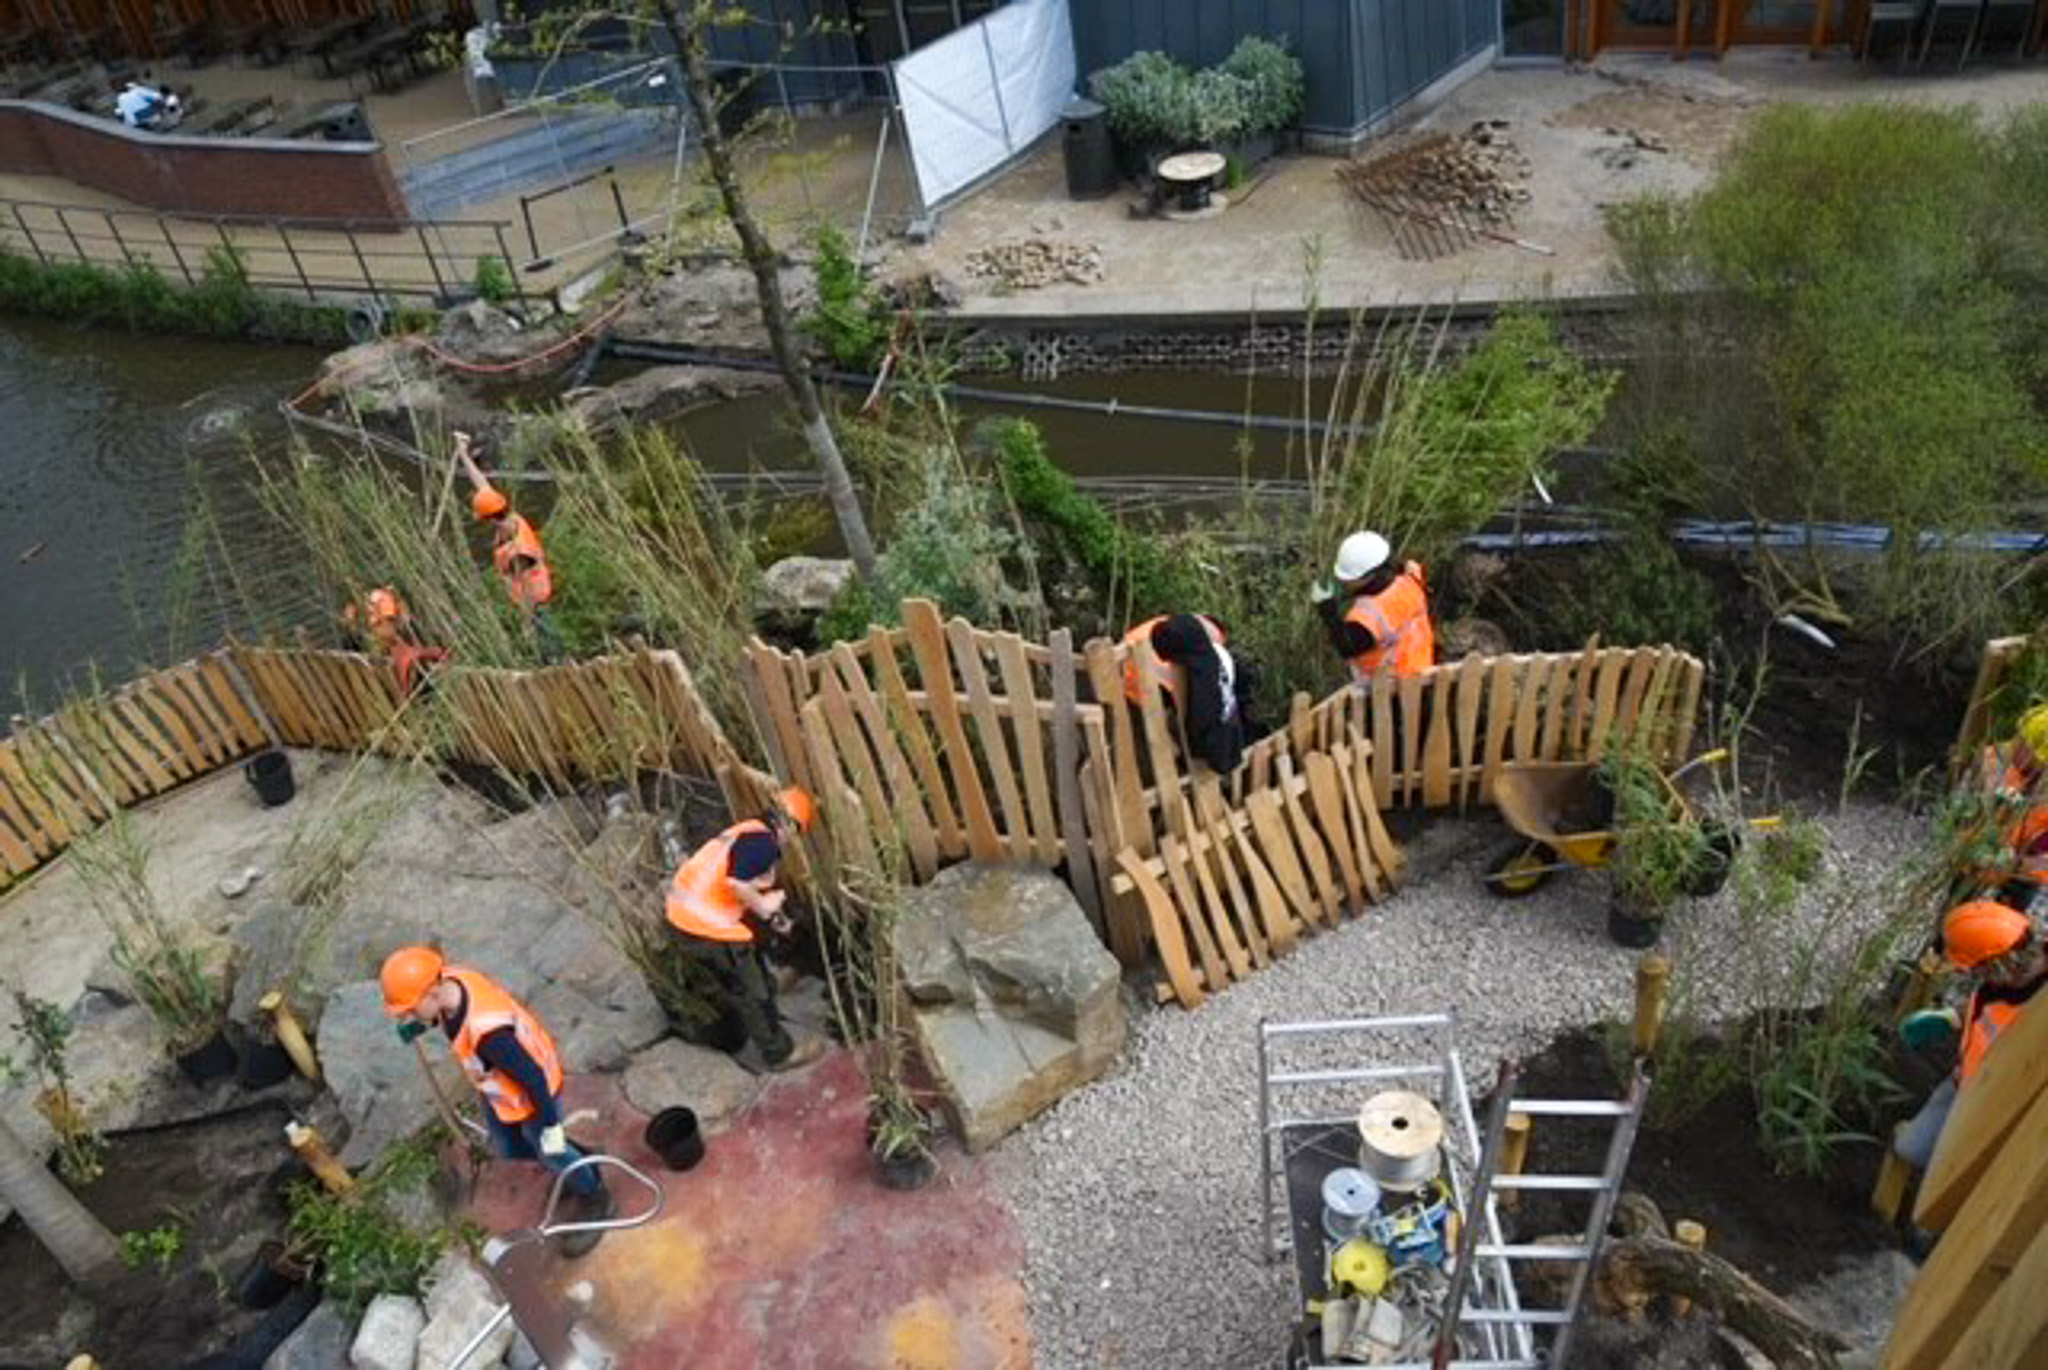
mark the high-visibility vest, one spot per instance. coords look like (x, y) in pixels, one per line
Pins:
(2026, 833)
(530, 585)
(701, 901)
(490, 1009)
(1398, 619)
(1176, 675)
(1983, 1022)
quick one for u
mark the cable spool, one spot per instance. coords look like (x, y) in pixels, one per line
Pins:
(1400, 1140)
(1350, 1199)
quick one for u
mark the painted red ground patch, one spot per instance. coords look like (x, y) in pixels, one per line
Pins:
(780, 1249)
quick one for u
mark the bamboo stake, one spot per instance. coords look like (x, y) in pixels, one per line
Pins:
(1894, 1178)
(1693, 1237)
(1653, 977)
(312, 1149)
(290, 1035)
(1514, 1154)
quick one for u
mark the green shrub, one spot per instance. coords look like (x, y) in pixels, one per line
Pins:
(1637, 590)
(493, 282)
(360, 1245)
(850, 323)
(1276, 88)
(1146, 96)
(137, 296)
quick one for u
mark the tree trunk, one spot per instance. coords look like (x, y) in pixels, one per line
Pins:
(685, 20)
(1777, 1328)
(60, 1222)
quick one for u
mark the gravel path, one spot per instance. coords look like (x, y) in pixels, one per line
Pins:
(1139, 1196)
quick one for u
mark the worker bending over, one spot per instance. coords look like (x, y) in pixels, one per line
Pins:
(515, 551)
(723, 899)
(392, 635)
(1377, 615)
(1202, 681)
(511, 1060)
(2006, 952)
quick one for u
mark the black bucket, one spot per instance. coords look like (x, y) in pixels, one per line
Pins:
(674, 1136)
(209, 1062)
(1626, 930)
(271, 774)
(264, 1065)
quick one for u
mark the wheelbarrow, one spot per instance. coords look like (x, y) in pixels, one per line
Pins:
(1562, 819)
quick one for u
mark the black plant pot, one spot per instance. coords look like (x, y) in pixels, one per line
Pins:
(269, 1276)
(213, 1060)
(264, 1065)
(1627, 929)
(271, 774)
(674, 1135)
(907, 1171)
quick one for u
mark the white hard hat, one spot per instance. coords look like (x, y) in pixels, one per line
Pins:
(1359, 555)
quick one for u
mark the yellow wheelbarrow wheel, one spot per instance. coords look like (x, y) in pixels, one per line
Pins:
(1520, 869)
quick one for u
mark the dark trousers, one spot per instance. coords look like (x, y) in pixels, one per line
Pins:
(521, 1142)
(748, 991)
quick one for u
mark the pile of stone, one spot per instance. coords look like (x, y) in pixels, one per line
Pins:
(1479, 175)
(1030, 263)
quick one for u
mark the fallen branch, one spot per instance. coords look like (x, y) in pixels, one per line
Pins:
(1780, 1331)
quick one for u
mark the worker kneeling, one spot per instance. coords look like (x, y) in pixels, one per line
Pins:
(2007, 953)
(1377, 614)
(1202, 681)
(723, 899)
(511, 1060)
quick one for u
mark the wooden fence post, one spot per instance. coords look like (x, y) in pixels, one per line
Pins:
(1653, 979)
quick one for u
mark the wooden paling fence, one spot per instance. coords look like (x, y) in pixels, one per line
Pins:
(1993, 668)
(61, 776)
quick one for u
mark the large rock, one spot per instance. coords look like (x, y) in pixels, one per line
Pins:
(481, 332)
(374, 1076)
(677, 1074)
(389, 1334)
(321, 1342)
(460, 1300)
(804, 585)
(1014, 998)
(662, 392)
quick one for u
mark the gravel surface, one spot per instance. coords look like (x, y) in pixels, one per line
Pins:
(1139, 1196)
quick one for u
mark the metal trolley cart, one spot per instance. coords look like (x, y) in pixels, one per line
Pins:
(1441, 1246)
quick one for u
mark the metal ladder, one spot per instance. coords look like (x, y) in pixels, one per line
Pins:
(1484, 1297)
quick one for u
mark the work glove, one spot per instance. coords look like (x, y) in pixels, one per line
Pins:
(553, 1141)
(1925, 1027)
(1322, 592)
(410, 1031)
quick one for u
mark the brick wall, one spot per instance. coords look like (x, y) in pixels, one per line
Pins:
(201, 176)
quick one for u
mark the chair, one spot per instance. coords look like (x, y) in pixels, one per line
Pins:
(1905, 14)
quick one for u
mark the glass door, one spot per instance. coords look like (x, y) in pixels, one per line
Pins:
(1533, 28)
(1682, 24)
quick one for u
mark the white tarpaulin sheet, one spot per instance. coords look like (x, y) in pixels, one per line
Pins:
(984, 93)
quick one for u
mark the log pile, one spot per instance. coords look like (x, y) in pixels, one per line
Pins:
(1028, 263)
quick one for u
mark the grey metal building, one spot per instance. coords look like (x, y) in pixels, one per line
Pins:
(1365, 59)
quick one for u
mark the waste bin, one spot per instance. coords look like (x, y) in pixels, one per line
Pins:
(1091, 155)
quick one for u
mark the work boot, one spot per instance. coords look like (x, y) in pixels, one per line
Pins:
(591, 1208)
(807, 1050)
(785, 977)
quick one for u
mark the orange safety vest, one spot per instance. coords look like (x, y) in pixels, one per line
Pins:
(531, 585)
(701, 901)
(1176, 675)
(1398, 619)
(490, 1009)
(1981, 1027)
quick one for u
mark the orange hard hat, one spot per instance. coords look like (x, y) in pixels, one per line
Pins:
(408, 974)
(488, 504)
(798, 804)
(1982, 930)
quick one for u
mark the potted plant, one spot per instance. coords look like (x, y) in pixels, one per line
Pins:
(46, 1029)
(1660, 849)
(1274, 92)
(900, 1135)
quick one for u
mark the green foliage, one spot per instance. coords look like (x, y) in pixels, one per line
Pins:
(1816, 1082)
(362, 1248)
(1878, 264)
(1155, 102)
(2024, 685)
(46, 1029)
(158, 1246)
(950, 547)
(138, 297)
(850, 322)
(1659, 849)
(850, 614)
(1637, 590)
(1125, 570)
(493, 281)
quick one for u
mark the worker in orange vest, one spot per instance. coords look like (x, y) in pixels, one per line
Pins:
(1377, 614)
(2012, 778)
(2007, 953)
(392, 634)
(515, 550)
(723, 899)
(1202, 681)
(511, 1060)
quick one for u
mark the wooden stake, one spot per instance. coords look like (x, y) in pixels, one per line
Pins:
(312, 1149)
(1514, 1154)
(1653, 976)
(290, 1035)
(1894, 1179)
(1919, 984)
(1693, 1237)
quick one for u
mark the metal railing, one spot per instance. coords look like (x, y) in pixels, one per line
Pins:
(428, 259)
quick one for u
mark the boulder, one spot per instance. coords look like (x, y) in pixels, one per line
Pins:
(460, 1300)
(389, 1334)
(373, 1075)
(383, 376)
(662, 392)
(481, 332)
(321, 1342)
(1463, 637)
(673, 1073)
(1014, 999)
(804, 585)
